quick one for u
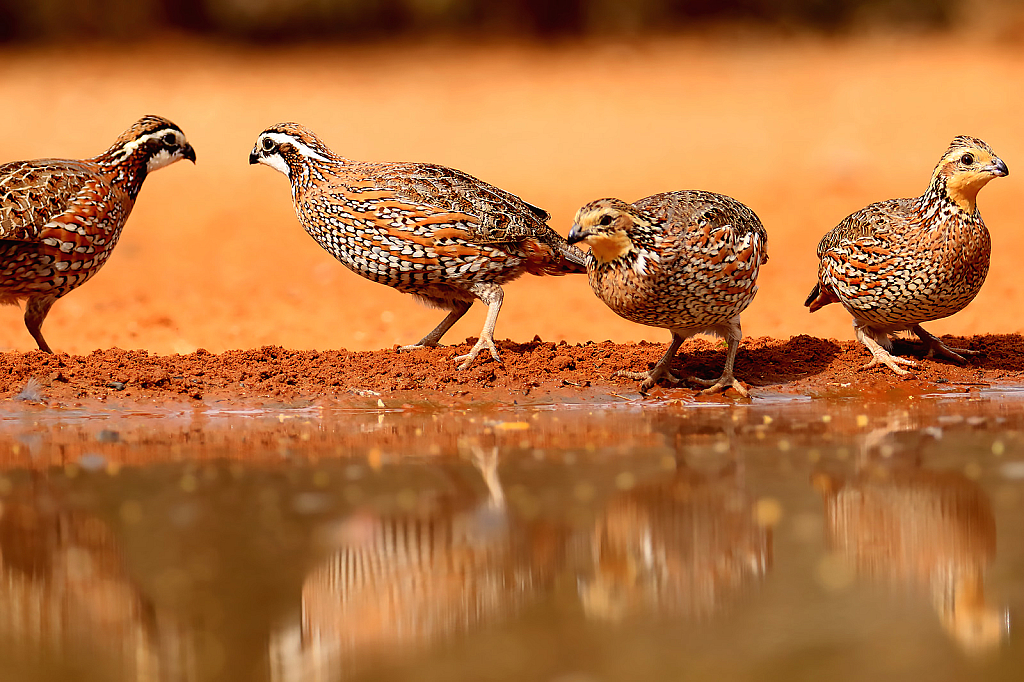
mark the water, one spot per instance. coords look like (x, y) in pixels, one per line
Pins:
(784, 539)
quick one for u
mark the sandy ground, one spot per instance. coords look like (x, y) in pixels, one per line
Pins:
(805, 132)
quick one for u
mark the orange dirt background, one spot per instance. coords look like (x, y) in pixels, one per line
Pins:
(804, 131)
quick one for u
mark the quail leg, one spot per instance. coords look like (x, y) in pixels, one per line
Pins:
(936, 348)
(432, 339)
(487, 463)
(880, 355)
(659, 371)
(36, 310)
(727, 380)
(492, 295)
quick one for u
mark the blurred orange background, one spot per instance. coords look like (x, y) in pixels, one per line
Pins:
(805, 130)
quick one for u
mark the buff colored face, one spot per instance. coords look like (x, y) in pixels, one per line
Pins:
(967, 170)
(605, 231)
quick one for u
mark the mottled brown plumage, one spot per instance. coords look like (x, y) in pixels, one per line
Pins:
(901, 262)
(686, 261)
(60, 219)
(427, 230)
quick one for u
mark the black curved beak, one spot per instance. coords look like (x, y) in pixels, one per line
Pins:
(998, 168)
(188, 153)
(577, 234)
(253, 158)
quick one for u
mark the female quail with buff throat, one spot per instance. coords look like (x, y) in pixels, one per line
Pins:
(901, 262)
(685, 261)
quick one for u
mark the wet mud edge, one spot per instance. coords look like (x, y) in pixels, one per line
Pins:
(533, 371)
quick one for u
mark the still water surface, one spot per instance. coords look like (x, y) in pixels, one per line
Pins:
(844, 539)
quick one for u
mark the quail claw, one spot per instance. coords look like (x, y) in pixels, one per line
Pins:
(648, 379)
(482, 342)
(722, 384)
(415, 346)
(937, 349)
(891, 361)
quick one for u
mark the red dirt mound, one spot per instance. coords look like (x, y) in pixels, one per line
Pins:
(534, 371)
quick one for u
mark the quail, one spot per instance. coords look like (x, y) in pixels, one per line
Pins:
(434, 232)
(60, 219)
(685, 261)
(901, 262)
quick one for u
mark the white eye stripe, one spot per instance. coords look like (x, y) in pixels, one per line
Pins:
(301, 147)
(132, 145)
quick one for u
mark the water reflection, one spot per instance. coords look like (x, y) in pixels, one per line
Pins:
(679, 547)
(409, 543)
(400, 581)
(928, 531)
(66, 593)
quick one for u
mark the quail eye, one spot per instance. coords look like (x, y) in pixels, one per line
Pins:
(268, 144)
(605, 220)
(170, 139)
(967, 159)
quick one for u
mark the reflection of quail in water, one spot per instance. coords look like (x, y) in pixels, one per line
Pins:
(434, 232)
(65, 584)
(60, 219)
(680, 547)
(901, 262)
(685, 261)
(411, 578)
(930, 529)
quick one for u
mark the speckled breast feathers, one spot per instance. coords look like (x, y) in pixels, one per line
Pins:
(901, 262)
(421, 228)
(679, 260)
(60, 219)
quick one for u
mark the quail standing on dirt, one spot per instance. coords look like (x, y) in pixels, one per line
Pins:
(686, 261)
(901, 262)
(60, 219)
(434, 232)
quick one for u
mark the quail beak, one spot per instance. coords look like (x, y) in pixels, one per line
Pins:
(577, 234)
(998, 168)
(188, 153)
(254, 158)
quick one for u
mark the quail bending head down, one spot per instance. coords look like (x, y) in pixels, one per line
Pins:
(901, 262)
(434, 232)
(685, 261)
(60, 219)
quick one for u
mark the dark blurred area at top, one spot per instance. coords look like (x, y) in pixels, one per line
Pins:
(369, 20)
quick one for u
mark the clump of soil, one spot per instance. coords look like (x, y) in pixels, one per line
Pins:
(802, 365)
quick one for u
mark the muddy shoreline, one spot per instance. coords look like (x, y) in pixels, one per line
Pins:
(534, 371)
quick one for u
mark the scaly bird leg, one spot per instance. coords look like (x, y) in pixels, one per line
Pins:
(659, 371)
(35, 312)
(936, 348)
(880, 355)
(431, 339)
(727, 380)
(492, 295)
